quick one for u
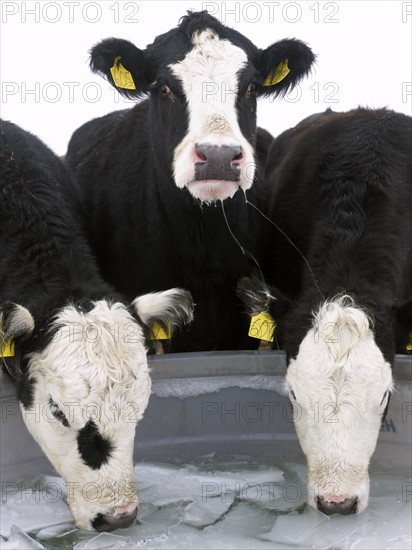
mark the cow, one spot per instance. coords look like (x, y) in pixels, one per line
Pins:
(339, 272)
(154, 179)
(73, 346)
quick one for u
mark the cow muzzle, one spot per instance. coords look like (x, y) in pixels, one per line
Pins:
(343, 507)
(121, 518)
(218, 162)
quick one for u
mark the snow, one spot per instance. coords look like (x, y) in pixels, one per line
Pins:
(234, 502)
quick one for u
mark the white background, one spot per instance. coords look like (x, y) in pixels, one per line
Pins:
(363, 48)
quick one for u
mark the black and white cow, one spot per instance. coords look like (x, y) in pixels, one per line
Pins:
(340, 187)
(79, 360)
(151, 178)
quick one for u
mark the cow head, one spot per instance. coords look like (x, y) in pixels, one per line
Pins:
(82, 390)
(203, 79)
(339, 384)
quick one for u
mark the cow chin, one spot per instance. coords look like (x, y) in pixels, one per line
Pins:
(338, 490)
(211, 191)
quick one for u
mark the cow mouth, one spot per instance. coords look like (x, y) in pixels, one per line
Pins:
(212, 190)
(105, 523)
(217, 172)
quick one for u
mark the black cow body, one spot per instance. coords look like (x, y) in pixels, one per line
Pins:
(154, 219)
(45, 262)
(148, 235)
(67, 339)
(340, 186)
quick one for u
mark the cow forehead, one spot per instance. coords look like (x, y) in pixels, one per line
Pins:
(99, 349)
(339, 356)
(211, 60)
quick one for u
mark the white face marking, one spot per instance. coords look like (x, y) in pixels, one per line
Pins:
(340, 380)
(209, 76)
(95, 367)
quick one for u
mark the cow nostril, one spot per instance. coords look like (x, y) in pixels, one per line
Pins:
(319, 505)
(206, 152)
(217, 162)
(346, 507)
(354, 508)
(199, 148)
(201, 156)
(109, 522)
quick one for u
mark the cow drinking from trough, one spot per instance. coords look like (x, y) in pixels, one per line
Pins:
(79, 358)
(340, 187)
(151, 178)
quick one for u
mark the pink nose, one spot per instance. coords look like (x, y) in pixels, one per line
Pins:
(120, 510)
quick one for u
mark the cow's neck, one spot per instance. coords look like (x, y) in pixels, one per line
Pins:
(202, 223)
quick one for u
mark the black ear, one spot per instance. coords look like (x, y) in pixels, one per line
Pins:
(123, 65)
(404, 333)
(258, 296)
(282, 65)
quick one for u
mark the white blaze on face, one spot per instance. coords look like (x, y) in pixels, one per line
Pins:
(95, 368)
(341, 383)
(209, 76)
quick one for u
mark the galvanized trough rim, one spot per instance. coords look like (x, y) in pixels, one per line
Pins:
(239, 363)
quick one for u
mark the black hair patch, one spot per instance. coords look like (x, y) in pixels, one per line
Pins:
(94, 449)
(25, 391)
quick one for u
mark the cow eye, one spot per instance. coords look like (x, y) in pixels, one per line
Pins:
(292, 393)
(165, 90)
(251, 89)
(58, 413)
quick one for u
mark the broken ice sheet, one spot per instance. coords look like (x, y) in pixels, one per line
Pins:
(366, 531)
(31, 508)
(167, 516)
(19, 540)
(164, 521)
(198, 541)
(287, 495)
(296, 528)
(103, 541)
(243, 509)
(207, 511)
(190, 483)
(56, 531)
(243, 519)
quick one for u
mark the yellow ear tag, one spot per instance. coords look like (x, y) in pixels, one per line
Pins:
(121, 76)
(281, 72)
(409, 346)
(262, 327)
(7, 349)
(159, 333)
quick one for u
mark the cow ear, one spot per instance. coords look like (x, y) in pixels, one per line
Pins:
(169, 309)
(282, 65)
(405, 327)
(15, 321)
(123, 65)
(258, 297)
